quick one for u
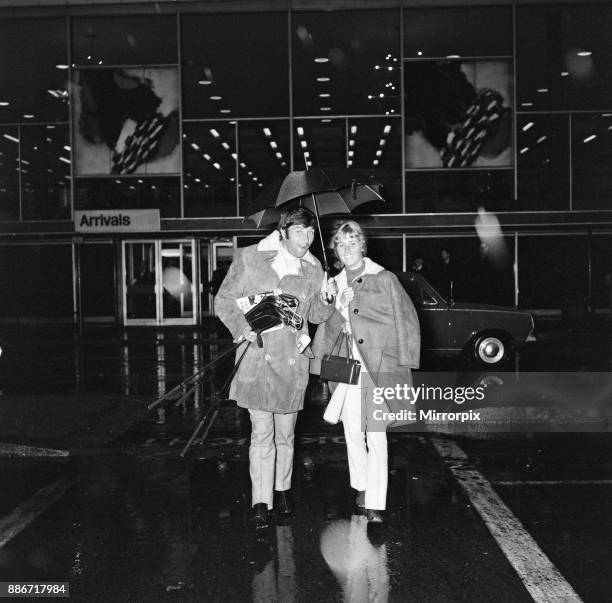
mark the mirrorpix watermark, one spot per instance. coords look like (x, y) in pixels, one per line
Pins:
(394, 399)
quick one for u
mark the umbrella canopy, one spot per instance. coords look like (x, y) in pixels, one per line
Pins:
(322, 192)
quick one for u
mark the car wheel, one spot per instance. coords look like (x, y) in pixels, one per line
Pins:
(491, 349)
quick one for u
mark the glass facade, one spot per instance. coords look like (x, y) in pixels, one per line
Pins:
(513, 116)
(201, 109)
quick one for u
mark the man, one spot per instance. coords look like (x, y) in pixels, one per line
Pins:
(447, 276)
(272, 379)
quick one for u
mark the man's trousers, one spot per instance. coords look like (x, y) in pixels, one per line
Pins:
(270, 453)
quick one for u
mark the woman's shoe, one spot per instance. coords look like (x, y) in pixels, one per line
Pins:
(360, 499)
(259, 518)
(374, 516)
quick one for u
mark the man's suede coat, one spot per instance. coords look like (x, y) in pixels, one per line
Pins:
(272, 378)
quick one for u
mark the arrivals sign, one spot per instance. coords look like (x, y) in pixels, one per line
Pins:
(117, 220)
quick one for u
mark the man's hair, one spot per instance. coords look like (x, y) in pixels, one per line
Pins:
(299, 215)
(350, 228)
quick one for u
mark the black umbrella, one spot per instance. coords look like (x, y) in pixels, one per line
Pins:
(322, 192)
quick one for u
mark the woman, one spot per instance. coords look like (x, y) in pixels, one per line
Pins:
(380, 318)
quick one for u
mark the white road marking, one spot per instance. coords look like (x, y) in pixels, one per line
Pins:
(553, 482)
(13, 450)
(28, 511)
(540, 577)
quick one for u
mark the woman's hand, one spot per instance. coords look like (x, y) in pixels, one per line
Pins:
(347, 296)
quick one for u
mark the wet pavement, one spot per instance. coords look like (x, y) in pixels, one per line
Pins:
(123, 518)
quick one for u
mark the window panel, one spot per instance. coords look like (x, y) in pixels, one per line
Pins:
(564, 57)
(543, 162)
(346, 62)
(551, 284)
(442, 32)
(97, 280)
(264, 155)
(33, 64)
(591, 157)
(235, 65)
(45, 161)
(129, 193)
(9, 173)
(209, 164)
(124, 40)
(459, 191)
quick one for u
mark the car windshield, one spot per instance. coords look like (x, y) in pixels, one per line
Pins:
(420, 295)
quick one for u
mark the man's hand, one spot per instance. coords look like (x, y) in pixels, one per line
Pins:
(248, 334)
(347, 296)
(329, 289)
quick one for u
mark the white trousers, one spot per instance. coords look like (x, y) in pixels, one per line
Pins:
(270, 453)
(367, 453)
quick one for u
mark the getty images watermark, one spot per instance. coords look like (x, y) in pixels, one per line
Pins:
(464, 401)
(409, 394)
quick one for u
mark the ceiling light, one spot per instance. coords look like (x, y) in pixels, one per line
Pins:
(195, 146)
(303, 144)
(214, 132)
(584, 53)
(351, 143)
(216, 98)
(324, 95)
(542, 90)
(243, 165)
(541, 139)
(326, 121)
(300, 131)
(61, 66)
(387, 129)
(4, 103)
(204, 82)
(375, 162)
(589, 138)
(206, 156)
(564, 73)
(225, 146)
(28, 116)
(526, 104)
(527, 126)
(351, 153)
(420, 53)
(524, 150)
(382, 142)
(306, 154)
(11, 138)
(273, 144)
(324, 108)
(216, 166)
(225, 111)
(64, 159)
(453, 56)
(322, 78)
(279, 156)
(321, 60)
(267, 132)
(379, 153)
(234, 156)
(353, 130)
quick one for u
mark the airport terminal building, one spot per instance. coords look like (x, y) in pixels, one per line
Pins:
(135, 138)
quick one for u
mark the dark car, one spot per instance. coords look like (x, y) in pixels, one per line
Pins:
(486, 333)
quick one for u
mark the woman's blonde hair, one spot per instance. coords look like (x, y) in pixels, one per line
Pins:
(350, 228)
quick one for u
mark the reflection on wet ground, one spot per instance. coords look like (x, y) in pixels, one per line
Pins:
(138, 523)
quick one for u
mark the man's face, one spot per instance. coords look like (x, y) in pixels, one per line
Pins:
(445, 255)
(298, 239)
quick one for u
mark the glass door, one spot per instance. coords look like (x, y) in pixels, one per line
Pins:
(159, 283)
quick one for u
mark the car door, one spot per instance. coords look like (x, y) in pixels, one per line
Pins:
(433, 313)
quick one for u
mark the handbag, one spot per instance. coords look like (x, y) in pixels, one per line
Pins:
(339, 368)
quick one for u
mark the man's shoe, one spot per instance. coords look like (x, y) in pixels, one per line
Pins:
(374, 516)
(283, 504)
(360, 499)
(259, 519)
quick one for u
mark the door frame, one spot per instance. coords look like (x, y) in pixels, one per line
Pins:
(159, 321)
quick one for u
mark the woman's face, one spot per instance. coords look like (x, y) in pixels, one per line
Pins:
(348, 250)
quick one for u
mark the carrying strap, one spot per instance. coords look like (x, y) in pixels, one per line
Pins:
(349, 352)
